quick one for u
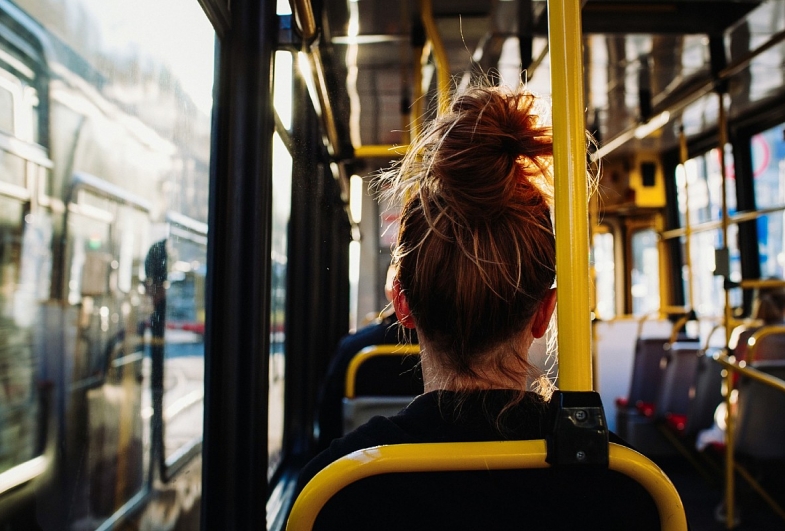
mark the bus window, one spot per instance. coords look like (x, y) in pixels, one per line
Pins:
(770, 245)
(768, 163)
(282, 207)
(604, 275)
(282, 194)
(702, 177)
(645, 280)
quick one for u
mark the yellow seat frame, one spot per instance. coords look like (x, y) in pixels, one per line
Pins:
(372, 352)
(497, 455)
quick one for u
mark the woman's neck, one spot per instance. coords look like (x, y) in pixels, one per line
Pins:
(488, 375)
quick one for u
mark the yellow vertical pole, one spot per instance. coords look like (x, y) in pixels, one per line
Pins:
(417, 101)
(722, 124)
(571, 195)
(439, 55)
(723, 133)
(683, 154)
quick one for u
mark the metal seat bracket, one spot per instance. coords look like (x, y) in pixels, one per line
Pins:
(579, 433)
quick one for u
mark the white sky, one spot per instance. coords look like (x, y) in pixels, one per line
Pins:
(179, 34)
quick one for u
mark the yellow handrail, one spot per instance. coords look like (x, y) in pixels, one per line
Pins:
(756, 337)
(497, 455)
(677, 326)
(571, 195)
(664, 310)
(730, 435)
(750, 372)
(380, 151)
(761, 283)
(371, 352)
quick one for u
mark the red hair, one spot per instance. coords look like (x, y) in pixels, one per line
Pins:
(476, 249)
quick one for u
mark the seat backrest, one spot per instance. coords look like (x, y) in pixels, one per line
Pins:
(673, 394)
(485, 485)
(760, 430)
(647, 369)
(360, 409)
(705, 394)
(394, 374)
(380, 380)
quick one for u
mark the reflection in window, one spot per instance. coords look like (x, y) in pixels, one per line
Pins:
(604, 275)
(18, 107)
(6, 111)
(645, 279)
(282, 200)
(19, 426)
(127, 140)
(12, 169)
(183, 399)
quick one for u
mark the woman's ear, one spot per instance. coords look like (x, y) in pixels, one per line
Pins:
(542, 317)
(401, 305)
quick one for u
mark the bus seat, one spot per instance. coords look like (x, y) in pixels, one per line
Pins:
(705, 394)
(380, 380)
(663, 389)
(673, 396)
(768, 347)
(486, 485)
(635, 412)
(359, 410)
(760, 431)
(646, 374)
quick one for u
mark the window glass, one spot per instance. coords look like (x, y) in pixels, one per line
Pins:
(19, 395)
(707, 288)
(6, 111)
(18, 106)
(282, 199)
(771, 245)
(645, 279)
(702, 177)
(283, 7)
(89, 254)
(12, 169)
(30, 104)
(128, 136)
(282, 89)
(768, 165)
(107, 357)
(604, 275)
(183, 398)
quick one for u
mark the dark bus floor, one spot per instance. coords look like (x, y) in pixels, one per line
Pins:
(703, 493)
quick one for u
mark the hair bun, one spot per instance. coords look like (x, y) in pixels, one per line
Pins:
(481, 154)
